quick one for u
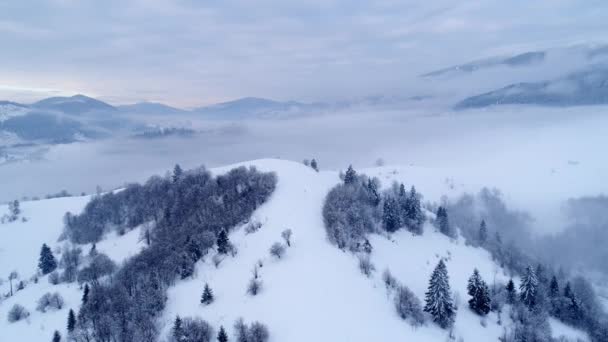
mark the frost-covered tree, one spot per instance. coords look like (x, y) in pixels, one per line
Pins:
(480, 294)
(408, 306)
(14, 210)
(254, 287)
(390, 215)
(413, 212)
(223, 244)
(46, 262)
(12, 276)
(443, 223)
(350, 177)
(52, 301)
(258, 332)
(286, 235)
(438, 298)
(71, 321)
(221, 335)
(17, 313)
(483, 233)
(277, 250)
(207, 296)
(529, 288)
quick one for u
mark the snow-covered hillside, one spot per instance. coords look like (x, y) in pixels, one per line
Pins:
(315, 292)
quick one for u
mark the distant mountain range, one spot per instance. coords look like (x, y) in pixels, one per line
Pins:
(589, 87)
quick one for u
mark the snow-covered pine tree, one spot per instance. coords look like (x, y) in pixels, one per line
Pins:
(529, 288)
(222, 336)
(483, 233)
(480, 294)
(207, 297)
(438, 298)
(372, 189)
(223, 244)
(71, 321)
(56, 336)
(511, 292)
(414, 212)
(390, 216)
(350, 177)
(443, 223)
(47, 262)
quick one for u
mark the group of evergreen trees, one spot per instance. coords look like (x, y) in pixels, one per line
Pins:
(358, 207)
(191, 212)
(197, 330)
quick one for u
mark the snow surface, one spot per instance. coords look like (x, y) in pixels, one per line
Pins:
(315, 292)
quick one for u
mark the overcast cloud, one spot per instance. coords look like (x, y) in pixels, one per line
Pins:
(189, 53)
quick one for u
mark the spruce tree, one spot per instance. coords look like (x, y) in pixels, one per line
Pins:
(350, 177)
(439, 298)
(222, 336)
(443, 222)
(554, 288)
(207, 297)
(414, 212)
(71, 321)
(568, 291)
(177, 330)
(177, 173)
(480, 294)
(390, 217)
(313, 164)
(483, 233)
(85, 294)
(511, 292)
(56, 336)
(529, 288)
(223, 244)
(47, 262)
(372, 189)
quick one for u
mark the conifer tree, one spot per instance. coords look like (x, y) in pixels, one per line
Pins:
(223, 244)
(568, 291)
(438, 297)
(56, 336)
(390, 217)
(414, 212)
(177, 173)
(554, 288)
(222, 336)
(177, 330)
(529, 288)
(511, 292)
(47, 262)
(443, 222)
(71, 321)
(313, 164)
(207, 297)
(483, 233)
(85, 294)
(480, 294)
(350, 177)
(372, 189)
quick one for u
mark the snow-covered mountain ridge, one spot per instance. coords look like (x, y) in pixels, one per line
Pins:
(314, 292)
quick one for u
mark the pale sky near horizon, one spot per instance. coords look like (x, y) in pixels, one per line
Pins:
(187, 53)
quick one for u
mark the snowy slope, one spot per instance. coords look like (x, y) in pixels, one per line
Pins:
(314, 293)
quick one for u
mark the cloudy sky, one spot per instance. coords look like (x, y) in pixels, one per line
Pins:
(189, 53)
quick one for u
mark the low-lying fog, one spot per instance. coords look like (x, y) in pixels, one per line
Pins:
(537, 157)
